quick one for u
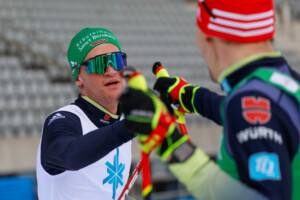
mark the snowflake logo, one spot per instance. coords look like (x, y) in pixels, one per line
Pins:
(115, 173)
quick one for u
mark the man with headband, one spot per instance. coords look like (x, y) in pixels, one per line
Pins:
(259, 152)
(85, 150)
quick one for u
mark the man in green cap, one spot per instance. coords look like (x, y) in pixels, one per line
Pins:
(85, 150)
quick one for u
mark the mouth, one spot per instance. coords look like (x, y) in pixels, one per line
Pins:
(111, 83)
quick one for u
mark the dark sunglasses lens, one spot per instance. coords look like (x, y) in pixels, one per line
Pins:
(207, 9)
(88, 65)
(99, 64)
(121, 61)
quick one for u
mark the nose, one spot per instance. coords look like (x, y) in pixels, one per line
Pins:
(110, 71)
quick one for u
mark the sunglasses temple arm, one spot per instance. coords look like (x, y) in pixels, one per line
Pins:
(207, 9)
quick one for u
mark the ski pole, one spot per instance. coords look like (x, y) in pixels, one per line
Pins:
(137, 81)
(131, 180)
(160, 71)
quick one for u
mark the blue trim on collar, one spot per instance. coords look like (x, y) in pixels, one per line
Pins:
(225, 85)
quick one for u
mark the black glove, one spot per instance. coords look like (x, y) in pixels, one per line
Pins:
(146, 115)
(179, 92)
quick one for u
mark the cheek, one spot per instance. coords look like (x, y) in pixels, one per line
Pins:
(204, 51)
(122, 73)
(123, 81)
(201, 42)
(122, 78)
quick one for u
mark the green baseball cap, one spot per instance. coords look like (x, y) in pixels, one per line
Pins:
(84, 41)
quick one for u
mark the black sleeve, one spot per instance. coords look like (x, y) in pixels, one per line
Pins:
(258, 129)
(208, 104)
(64, 147)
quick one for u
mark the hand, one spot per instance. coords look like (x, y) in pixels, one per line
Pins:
(146, 115)
(179, 92)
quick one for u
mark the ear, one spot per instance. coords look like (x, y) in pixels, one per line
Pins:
(208, 39)
(78, 80)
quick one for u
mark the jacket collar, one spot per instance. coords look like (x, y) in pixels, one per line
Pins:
(236, 72)
(95, 112)
(99, 107)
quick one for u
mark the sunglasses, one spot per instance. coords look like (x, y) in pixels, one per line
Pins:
(207, 9)
(100, 63)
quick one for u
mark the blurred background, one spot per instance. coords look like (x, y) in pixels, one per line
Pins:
(35, 78)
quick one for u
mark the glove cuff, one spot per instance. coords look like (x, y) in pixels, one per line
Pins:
(182, 153)
(186, 97)
(173, 140)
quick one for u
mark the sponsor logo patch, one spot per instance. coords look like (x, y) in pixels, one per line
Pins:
(98, 42)
(115, 174)
(55, 117)
(264, 166)
(73, 64)
(104, 121)
(285, 82)
(259, 133)
(256, 110)
(107, 117)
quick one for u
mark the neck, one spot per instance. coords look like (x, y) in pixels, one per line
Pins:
(111, 107)
(230, 53)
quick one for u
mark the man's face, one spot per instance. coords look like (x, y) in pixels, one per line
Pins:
(104, 88)
(208, 51)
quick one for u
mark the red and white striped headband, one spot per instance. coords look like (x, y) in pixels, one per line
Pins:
(237, 21)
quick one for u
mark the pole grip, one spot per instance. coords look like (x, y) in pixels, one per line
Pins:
(159, 72)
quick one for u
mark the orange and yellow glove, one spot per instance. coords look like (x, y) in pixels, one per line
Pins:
(180, 93)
